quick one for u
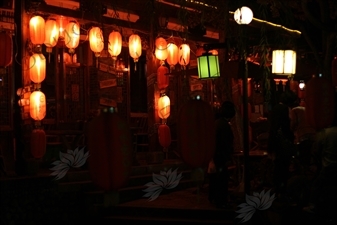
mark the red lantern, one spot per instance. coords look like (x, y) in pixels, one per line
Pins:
(319, 101)
(164, 135)
(38, 143)
(196, 133)
(110, 146)
(6, 46)
(163, 79)
(37, 30)
(172, 57)
(334, 71)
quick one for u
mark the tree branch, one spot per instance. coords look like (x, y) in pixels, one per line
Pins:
(310, 43)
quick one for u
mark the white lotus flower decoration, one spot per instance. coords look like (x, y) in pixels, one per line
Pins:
(167, 180)
(258, 201)
(74, 159)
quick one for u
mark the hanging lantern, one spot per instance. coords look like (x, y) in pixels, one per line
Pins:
(334, 72)
(243, 15)
(184, 55)
(208, 66)
(110, 145)
(319, 101)
(164, 107)
(51, 34)
(161, 49)
(37, 30)
(163, 79)
(37, 107)
(38, 143)
(115, 44)
(37, 68)
(196, 133)
(62, 22)
(6, 46)
(135, 47)
(96, 40)
(72, 36)
(164, 135)
(284, 62)
(172, 55)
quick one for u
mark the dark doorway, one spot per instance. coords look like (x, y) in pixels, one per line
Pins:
(138, 86)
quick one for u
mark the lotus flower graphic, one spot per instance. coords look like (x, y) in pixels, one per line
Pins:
(74, 159)
(258, 201)
(167, 180)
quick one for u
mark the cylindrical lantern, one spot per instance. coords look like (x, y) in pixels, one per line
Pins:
(164, 107)
(37, 107)
(163, 79)
(38, 143)
(164, 135)
(110, 145)
(96, 40)
(243, 15)
(115, 44)
(284, 62)
(135, 47)
(334, 72)
(172, 54)
(51, 34)
(208, 66)
(196, 133)
(6, 46)
(184, 55)
(320, 103)
(62, 23)
(37, 30)
(161, 49)
(37, 68)
(72, 35)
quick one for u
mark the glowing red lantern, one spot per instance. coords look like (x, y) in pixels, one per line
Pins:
(6, 46)
(37, 68)
(72, 35)
(38, 143)
(161, 49)
(51, 34)
(172, 55)
(37, 108)
(164, 107)
(37, 30)
(96, 40)
(110, 146)
(163, 79)
(319, 101)
(184, 54)
(135, 47)
(196, 133)
(164, 135)
(115, 44)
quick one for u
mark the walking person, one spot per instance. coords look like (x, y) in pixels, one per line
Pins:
(219, 179)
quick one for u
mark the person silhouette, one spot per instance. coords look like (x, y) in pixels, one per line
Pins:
(218, 182)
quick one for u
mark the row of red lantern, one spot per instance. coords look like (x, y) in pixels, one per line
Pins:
(171, 53)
